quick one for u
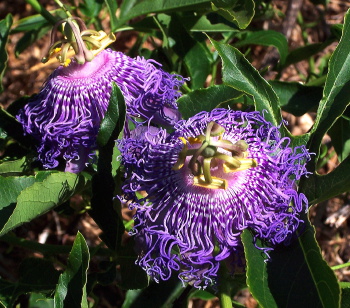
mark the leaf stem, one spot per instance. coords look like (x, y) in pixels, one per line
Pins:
(224, 288)
(336, 267)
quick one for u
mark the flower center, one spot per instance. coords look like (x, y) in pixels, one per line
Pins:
(208, 148)
(86, 44)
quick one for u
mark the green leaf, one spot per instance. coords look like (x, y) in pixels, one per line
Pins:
(195, 55)
(5, 25)
(336, 94)
(296, 98)
(91, 8)
(194, 23)
(266, 38)
(241, 13)
(13, 167)
(11, 187)
(239, 74)
(113, 121)
(206, 99)
(318, 188)
(31, 37)
(340, 135)
(104, 206)
(112, 7)
(71, 287)
(156, 295)
(306, 52)
(38, 300)
(164, 6)
(31, 280)
(35, 196)
(33, 22)
(295, 276)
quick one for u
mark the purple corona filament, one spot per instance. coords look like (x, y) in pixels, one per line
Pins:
(218, 173)
(65, 116)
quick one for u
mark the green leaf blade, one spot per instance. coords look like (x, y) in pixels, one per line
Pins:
(5, 26)
(206, 99)
(295, 275)
(241, 75)
(336, 95)
(241, 13)
(266, 38)
(114, 116)
(38, 198)
(71, 287)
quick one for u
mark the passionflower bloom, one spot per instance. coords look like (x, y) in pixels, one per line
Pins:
(66, 114)
(218, 173)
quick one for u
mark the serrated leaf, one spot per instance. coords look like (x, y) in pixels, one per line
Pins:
(296, 98)
(241, 13)
(336, 94)
(71, 287)
(266, 38)
(206, 99)
(35, 196)
(295, 276)
(5, 25)
(239, 74)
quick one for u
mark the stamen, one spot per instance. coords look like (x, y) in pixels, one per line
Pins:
(182, 156)
(246, 163)
(85, 43)
(202, 157)
(216, 183)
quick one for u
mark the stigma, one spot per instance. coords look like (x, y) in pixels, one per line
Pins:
(205, 152)
(80, 42)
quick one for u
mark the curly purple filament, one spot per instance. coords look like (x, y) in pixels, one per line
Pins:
(189, 229)
(65, 116)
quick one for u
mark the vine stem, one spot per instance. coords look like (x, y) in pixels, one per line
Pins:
(224, 288)
(61, 5)
(40, 9)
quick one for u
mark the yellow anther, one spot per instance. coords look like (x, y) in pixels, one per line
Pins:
(195, 140)
(246, 163)
(216, 183)
(184, 141)
(56, 50)
(67, 62)
(105, 41)
(182, 155)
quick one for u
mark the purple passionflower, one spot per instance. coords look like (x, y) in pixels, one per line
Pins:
(65, 116)
(218, 173)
